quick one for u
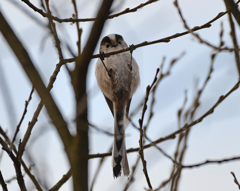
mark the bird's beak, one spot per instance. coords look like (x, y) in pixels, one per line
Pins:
(114, 44)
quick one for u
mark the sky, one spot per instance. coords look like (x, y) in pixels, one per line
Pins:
(215, 138)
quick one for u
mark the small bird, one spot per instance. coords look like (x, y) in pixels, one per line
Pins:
(118, 78)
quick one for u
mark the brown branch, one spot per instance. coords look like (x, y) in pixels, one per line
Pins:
(37, 82)
(211, 162)
(235, 43)
(141, 153)
(23, 115)
(17, 165)
(53, 30)
(234, 9)
(79, 158)
(79, 31)
(26, 169)
(2, 182)
(165, 40)
(72, 20)
(235, 180)
(37, 112)
(198, 37)
(62, 181)
(185, 127)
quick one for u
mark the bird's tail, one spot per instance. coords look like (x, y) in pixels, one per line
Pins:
(119, 155)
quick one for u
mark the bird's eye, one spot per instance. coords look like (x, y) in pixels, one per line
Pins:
(107, 45)
(119, 42)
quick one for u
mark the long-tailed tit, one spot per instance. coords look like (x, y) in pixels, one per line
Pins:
(118, 78)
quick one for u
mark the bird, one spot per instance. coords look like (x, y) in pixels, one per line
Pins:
(118, 78)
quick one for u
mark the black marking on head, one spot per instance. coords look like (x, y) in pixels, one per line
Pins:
(117, 168)
(105, 40)
(118, 37)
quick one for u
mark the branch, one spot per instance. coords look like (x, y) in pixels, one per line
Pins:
(165, 40)
(185, 127)
(17, 165)
(235, 180)
(234, 9)
(36, 80)
(23, 115)
(198, 37)
(141, 153)
(211, 162)
(79, 158)
(235, 43)
(72, 20)
(62, 181)
(2, 182)
(26, 169)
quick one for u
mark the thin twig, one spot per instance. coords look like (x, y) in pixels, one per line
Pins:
(197, 36)
(211, 162)
(165, 40)
(235, 180)
(17, 165)
(185, 127)
(141, 153)
(26, 169)
(23, 115)
(72, 20)
(62, 181)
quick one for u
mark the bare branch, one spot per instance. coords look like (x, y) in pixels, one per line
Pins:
(185, 127)
(211, 162)
(198, 37)
(72, 20)
(2, 182)
(141, 153)
(36, 80)
(17, 165)
(234, 9)
(26, 169)
(23, 115)
(62, 181)
(235, 180)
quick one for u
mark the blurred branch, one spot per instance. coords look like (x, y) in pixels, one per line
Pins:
(26, 169)
(79, 31)
(72, 20)
(62, 181)
(37, 82)
(79, 152)
(98, 170)
(234, 9)
(2, 182)
(23, 115)
(235, 43)
(235, 180)
(53, 30)
(17, 165)
(185, 127)
(100, 130)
